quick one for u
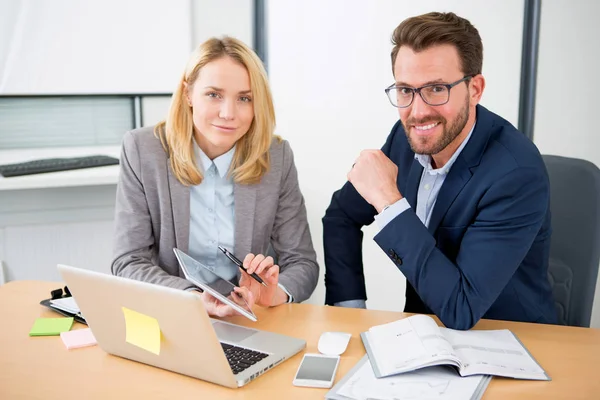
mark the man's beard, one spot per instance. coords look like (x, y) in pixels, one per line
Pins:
(449, 133)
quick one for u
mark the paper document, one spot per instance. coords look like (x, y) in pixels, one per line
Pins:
(410, 343)
(492, 352)
(67, 304)
(431, 384)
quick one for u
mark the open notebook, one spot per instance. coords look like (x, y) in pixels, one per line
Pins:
(416, 342)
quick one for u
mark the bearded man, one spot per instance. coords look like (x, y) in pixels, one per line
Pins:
(460, 196)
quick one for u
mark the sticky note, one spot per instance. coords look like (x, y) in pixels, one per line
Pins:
(142, 331)
(78, 338)
(50, 326)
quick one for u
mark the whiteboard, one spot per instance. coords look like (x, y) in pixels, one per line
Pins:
(93, 47)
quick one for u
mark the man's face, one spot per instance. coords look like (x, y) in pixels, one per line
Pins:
(430, 129)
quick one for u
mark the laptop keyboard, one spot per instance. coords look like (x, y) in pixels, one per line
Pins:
(240, 358)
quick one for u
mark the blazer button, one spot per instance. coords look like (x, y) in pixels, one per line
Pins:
(395, 257)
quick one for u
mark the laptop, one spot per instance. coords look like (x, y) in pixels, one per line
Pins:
(191, 343)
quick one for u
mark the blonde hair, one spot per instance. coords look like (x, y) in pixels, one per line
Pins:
(251, 159)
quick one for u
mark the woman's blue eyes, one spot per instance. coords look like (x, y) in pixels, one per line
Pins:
(215, 95)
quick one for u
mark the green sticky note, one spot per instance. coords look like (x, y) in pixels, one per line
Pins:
(51, 326)
(142, 331)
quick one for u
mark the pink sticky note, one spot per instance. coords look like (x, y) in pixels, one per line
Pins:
(78, 338)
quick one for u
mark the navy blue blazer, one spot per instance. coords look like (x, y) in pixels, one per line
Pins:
(485, 253)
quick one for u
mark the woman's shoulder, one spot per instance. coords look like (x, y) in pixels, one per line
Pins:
(144, 142)
(281, 156)
(280, 148)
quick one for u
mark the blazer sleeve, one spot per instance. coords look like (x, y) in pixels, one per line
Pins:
(347, 213)
(134, 247)
(290, 238)
(509, 217)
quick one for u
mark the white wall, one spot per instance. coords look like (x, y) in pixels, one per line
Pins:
(567, 82)
(329, 63)
(83, 47)
(566, 123)
(8, 11)
(222, 17)
(40, 228)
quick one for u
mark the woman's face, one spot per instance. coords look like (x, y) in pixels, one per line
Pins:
(222, 105)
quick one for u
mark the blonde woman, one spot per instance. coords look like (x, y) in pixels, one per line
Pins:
(214, 174)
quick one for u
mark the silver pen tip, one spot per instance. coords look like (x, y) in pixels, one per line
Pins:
(264, 284)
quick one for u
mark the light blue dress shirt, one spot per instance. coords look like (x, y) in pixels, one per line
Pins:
(429, 188)
(212, 214)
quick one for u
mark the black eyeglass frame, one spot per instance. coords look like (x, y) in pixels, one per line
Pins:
(418, 90)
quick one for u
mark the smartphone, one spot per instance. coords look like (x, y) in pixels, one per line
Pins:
(317, 370)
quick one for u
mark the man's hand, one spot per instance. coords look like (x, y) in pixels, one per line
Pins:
(268, 296)
(374, 176)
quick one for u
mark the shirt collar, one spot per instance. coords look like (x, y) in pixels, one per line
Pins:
(425, 159)
(222, 163)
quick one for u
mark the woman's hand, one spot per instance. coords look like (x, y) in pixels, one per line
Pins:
(216, 308)
(272, 294)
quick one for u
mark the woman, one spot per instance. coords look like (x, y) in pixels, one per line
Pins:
(214, 174)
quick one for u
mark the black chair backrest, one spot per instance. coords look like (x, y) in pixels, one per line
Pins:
(575, 244)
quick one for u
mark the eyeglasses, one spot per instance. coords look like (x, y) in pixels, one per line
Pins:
(435, 94)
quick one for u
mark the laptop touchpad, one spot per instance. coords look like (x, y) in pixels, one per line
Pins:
(232, 333)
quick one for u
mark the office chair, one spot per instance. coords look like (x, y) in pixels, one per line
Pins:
(575, 243)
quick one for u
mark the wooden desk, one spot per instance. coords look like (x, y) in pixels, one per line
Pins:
(42, 368)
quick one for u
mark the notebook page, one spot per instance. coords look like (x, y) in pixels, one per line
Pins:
(496, 352)
(67, 304)
(408, 343)
(431, 383)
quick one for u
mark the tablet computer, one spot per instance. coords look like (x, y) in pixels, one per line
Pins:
(208, 280)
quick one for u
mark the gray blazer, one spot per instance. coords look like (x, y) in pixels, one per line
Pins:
(152, 216)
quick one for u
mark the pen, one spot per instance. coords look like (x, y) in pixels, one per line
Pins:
(240, 264)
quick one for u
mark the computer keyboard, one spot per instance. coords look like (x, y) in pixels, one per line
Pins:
(55, 164)
(240, 358)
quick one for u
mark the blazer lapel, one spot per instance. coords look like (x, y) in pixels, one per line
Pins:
(460, 173)
(412, 183)
(244, 197)
(457, 178)
(180, 207)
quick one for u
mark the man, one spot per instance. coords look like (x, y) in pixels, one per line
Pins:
(460, 196)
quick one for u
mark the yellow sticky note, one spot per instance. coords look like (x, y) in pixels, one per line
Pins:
(142, 331)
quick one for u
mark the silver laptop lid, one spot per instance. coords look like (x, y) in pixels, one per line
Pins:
(188, 343)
